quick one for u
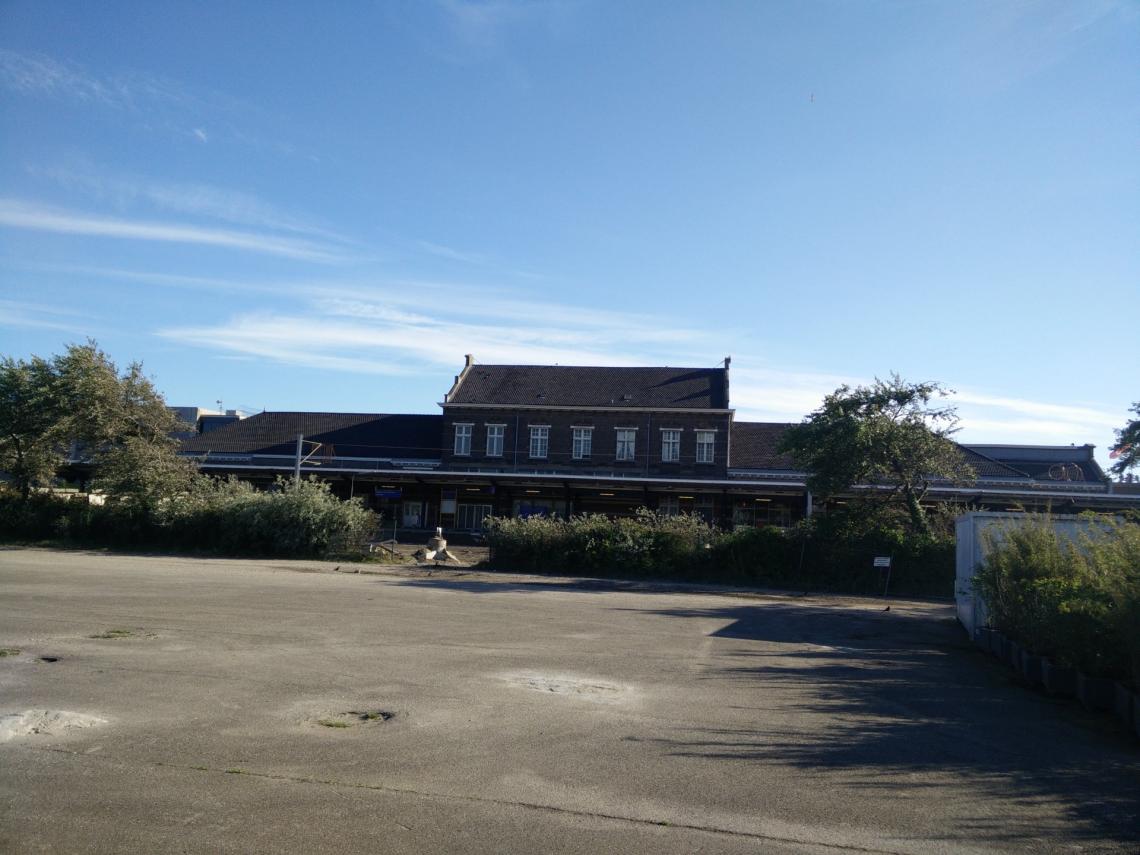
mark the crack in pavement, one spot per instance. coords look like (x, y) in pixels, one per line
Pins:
(428, 794)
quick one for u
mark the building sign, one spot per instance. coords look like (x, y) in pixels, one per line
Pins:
(388, 494)
(447, 501)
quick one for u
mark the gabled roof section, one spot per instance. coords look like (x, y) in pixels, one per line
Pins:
(414, 437)
(588, 386)
(754, 446)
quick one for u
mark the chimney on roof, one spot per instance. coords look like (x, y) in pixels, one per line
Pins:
(727, 362)
(470, 360)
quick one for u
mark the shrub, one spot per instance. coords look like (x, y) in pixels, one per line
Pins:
(225, 517)
(833, 554)
(1077, 601)
(649, 544)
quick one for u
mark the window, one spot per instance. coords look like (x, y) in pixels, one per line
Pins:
(706, 446)
(626, 443)
(670, 506)
(539, 440)
(470, 517)
(583, 443)
(670, 446)
(463, 440)
(495, 440)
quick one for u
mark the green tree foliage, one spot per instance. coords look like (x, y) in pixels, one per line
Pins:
(80, 396)
(888, 434)
(143, 473)
(1126, 452)
(31, 447)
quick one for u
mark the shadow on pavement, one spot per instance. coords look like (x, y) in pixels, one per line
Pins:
(895, 694)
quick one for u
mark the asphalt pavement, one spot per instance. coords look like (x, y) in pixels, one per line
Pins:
(159, 704)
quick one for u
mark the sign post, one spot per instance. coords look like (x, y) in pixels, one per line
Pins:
(883, 562)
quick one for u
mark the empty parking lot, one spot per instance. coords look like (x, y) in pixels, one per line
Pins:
(280, 706)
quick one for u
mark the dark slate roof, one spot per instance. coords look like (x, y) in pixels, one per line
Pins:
(987, 467)
(342, 434)
(587, 386)
(754, 447)
(1045, 462)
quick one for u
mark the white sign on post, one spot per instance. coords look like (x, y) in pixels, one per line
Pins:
(883, 561)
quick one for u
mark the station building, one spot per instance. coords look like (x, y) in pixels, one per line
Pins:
(521, 440)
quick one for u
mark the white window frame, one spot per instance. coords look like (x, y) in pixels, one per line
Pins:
(670, 445)
(540, 441)
(582, 447)
(500, 434)
(632, 441)
(706, 446)
(463, 431)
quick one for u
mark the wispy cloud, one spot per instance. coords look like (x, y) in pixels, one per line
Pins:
(765, 394)
(450, 253)
(193, 198)
(402, 332)
(24, 215)
(420, 328)
(14, 313)
(155, 102)
(484, 23)
(39, 74)
(1021, 408)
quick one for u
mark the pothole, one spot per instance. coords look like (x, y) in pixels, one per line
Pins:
(46, 722)
(49, 658)
(123, 633)
(355, 718)
(559, 684)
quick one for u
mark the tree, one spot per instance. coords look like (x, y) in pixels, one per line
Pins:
(1126, 452)
(80, 396)
(30, 447)
(143, 474)
(887, 434)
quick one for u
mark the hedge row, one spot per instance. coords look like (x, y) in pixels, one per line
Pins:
(833, 554)
(218, 517)
(1075, 601)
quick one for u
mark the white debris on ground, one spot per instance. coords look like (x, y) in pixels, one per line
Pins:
(567, 685)
(50, 722)
(436, 550)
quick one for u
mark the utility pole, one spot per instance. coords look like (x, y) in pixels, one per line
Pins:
(297, 462)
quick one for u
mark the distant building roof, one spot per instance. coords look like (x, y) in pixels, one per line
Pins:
(987, 467)
(755, 444)
(343, 434)
(587, 386)
(1045, 462)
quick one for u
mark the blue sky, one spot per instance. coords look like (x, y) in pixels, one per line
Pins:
(307, 206)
